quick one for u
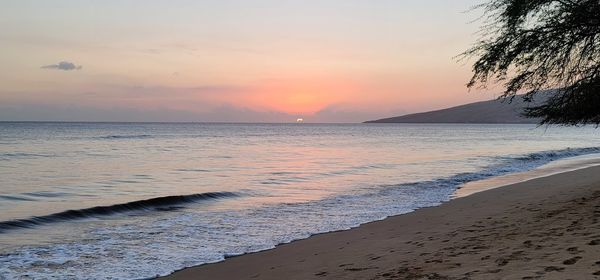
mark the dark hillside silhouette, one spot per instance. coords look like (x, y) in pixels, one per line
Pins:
(493, 111)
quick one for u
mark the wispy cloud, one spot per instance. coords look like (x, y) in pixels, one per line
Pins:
(63, 65)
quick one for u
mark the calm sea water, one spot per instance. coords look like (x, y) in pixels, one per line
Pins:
(136, 200)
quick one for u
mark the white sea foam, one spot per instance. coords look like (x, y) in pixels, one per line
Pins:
(151, 245)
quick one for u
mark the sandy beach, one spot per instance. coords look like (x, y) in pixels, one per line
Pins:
(545, 228)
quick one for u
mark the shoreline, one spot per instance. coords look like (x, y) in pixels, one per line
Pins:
(492, 234)
(554, 167)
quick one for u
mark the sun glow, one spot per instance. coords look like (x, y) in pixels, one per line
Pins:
(303, 96)
(206, 61)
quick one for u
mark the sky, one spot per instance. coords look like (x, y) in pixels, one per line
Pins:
(233, 60)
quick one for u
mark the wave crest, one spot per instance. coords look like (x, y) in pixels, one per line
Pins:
(152, 204)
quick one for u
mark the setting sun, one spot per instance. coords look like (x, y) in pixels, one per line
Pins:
(341, 61)
(184, 140)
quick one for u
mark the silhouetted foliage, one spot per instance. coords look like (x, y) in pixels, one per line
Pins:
(533, 45)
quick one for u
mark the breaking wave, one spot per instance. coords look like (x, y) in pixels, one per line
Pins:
(164, 203)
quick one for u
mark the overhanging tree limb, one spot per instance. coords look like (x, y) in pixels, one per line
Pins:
(534, 45)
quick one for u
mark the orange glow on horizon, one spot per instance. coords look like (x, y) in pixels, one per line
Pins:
(302, 96)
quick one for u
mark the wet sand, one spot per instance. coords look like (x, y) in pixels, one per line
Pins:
(545, 228)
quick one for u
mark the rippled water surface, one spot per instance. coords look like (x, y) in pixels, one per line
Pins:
(132, 200)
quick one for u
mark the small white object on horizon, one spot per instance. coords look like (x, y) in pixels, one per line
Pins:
(299, 120)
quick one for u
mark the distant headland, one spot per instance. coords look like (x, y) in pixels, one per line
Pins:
(492, 111)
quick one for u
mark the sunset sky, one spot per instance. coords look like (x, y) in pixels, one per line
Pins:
(225, 60)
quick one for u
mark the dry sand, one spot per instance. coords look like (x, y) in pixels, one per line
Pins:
(546, 228)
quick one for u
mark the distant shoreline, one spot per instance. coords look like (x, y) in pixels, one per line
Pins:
(542, 227)
(484, 112)
(437, 122)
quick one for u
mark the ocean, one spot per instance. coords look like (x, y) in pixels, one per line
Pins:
(137, 200)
